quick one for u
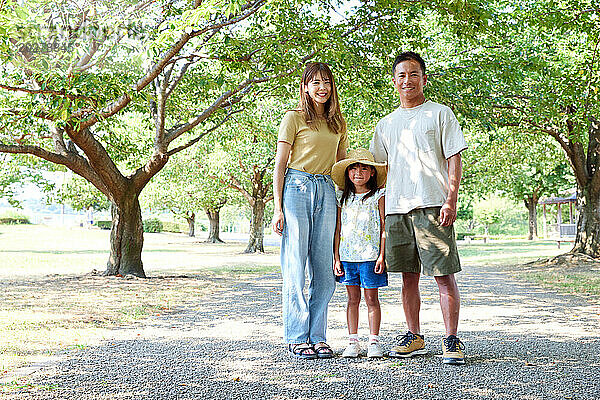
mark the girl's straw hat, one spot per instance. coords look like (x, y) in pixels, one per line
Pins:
(362, 156)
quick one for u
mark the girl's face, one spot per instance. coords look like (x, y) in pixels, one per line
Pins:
(319, 88)
(360, 174)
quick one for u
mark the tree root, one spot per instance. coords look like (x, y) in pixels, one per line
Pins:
(567, 260)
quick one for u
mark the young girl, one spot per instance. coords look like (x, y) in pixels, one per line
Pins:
(359, 242)
(311, 139)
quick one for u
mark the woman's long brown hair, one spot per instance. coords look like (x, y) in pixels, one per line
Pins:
(333, 114)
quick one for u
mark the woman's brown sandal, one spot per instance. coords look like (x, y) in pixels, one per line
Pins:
(303, 351)
(323, 350)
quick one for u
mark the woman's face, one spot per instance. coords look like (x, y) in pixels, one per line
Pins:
(319, 88)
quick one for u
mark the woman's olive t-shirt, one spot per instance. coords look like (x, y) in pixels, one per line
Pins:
(313, 150)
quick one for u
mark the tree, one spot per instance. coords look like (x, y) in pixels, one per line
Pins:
(81, 195)
(523, 167)
(18, 170)
(185, 187)
(488, 212)
(558, 96)
(530, 182)
(250, 145)
(536, 71)
(69, 69)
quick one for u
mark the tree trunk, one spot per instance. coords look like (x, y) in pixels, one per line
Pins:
(587, 240)
(257, 228)
(531, 204)
(213, 231)
(191, 220)
(126, 238)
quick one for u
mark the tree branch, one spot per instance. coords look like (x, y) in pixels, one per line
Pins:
(99, 160)
(246, 10)
(577, 156)
(593, 155)
(142, 175)
(196, 139)
(102, 56)
(177, 79)
(589, 80)
(580, 13)
(570, 148)
(237, 185)
(268, 199)
(59, 141)
(76, 164)
(60, 93)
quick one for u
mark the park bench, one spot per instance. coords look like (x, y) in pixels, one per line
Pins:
(485, 238)
(564, 240)
(469, 238)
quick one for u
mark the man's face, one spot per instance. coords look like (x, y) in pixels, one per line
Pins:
(409, 80)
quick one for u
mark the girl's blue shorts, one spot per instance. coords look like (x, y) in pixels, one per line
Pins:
(362, 274)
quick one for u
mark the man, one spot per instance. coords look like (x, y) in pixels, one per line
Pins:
(421, 141)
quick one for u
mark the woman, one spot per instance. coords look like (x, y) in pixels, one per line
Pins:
(311, 139)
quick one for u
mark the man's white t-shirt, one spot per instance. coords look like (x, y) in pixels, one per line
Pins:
(416, 143)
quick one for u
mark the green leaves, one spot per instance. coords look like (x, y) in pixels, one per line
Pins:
(187, 184)
(81, 195)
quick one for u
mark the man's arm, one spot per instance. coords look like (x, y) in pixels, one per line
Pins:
(377, 147)
(448, 211)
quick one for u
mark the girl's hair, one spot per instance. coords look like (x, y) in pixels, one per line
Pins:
(349, 186)
(333, 115)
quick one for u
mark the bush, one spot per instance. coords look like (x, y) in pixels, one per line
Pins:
(13, 217)
(104, 224)
(152, 225)
(462, 235)
(174, 227)
(14, 220)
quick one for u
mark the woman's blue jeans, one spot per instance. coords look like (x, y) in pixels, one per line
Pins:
(309, 209)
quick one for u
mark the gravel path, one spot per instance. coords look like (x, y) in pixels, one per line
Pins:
(522, 343)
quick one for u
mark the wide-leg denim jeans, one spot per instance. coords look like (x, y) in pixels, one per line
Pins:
(309, 209)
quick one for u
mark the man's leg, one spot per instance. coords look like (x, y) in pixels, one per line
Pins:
(449, 302)
(452, 347)
(401, 256)
(411, 300)
(412, 342)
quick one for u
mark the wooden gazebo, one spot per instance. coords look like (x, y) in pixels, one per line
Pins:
(561, 229)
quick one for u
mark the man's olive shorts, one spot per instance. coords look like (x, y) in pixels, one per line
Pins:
(417, 240)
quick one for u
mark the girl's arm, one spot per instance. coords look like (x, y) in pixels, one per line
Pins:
(380, 263)
(281, 158)
(337, 264)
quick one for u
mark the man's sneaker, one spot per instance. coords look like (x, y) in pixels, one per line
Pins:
(453, 348)
(352, 351)
(409, 344)
(374, 350)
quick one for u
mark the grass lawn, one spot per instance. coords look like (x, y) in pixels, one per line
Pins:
(52, 301)
(506, 252)
(517, 257)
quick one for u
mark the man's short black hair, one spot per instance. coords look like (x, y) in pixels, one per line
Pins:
(409, 55)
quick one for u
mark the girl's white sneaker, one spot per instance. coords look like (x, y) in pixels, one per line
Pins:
(352, 351)
(374, 350)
